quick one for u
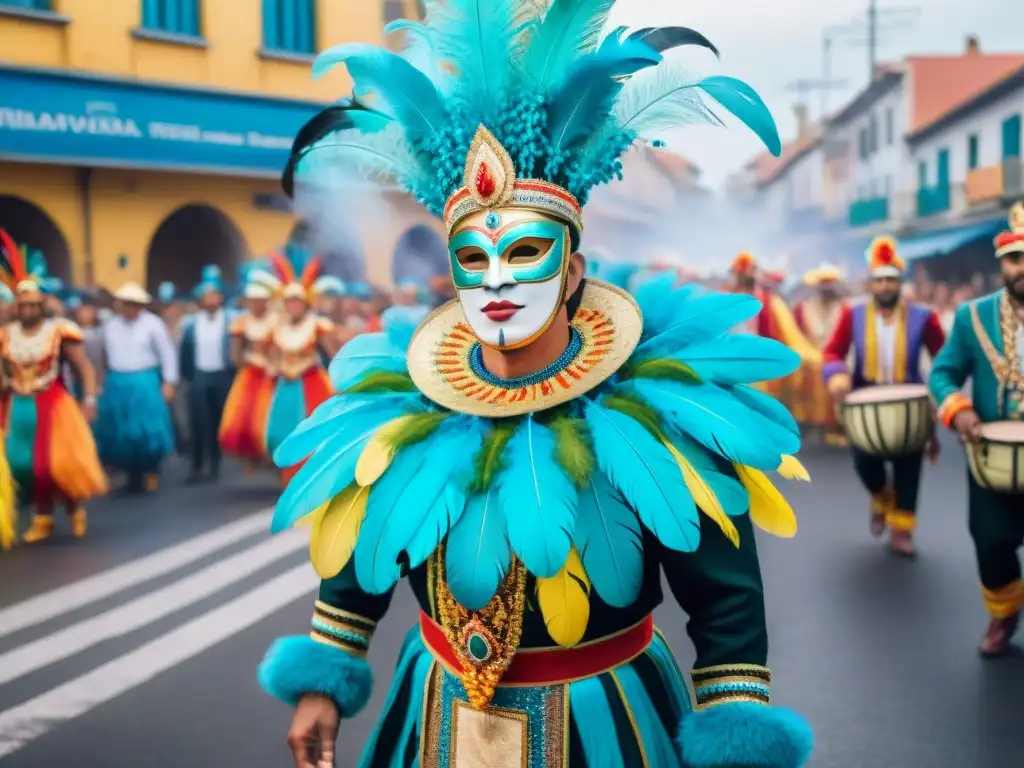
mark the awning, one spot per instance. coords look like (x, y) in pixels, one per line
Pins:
(945, 241)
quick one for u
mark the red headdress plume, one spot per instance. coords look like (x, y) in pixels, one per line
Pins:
(12, 260)
(744, 263)
(1012, 240)
(285, 273)
(882, 254)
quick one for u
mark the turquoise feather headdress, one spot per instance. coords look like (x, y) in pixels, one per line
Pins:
(562, 102)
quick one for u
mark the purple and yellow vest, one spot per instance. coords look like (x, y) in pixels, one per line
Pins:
(911, 320)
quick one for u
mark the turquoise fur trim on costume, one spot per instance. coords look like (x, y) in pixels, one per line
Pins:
(20, 440)
(298, 665)
(133, 427)
(563, 101)
(592, 473)
(745, 735)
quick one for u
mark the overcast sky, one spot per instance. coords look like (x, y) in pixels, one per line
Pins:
(771, 44)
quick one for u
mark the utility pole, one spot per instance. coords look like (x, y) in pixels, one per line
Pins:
(805, 87)
(872, 28)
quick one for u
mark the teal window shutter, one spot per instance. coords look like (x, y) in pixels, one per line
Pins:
(972, 152)
(178, 17)
(942, 168)
(922, 175)
(35, 5)
(1012, 137)
(289, 25)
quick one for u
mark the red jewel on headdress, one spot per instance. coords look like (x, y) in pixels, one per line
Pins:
(485, 183)
(884, 254)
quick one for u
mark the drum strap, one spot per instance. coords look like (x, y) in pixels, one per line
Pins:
(1006, 369)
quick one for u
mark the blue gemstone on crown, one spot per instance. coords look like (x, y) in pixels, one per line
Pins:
(493, 220)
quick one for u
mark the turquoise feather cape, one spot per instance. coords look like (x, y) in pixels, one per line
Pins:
(586, 477)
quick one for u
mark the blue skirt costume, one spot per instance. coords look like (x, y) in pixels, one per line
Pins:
(133, 428)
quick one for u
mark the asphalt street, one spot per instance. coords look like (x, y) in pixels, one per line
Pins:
(138, 646)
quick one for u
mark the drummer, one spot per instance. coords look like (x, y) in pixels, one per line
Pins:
(886, 333)
(986, 345)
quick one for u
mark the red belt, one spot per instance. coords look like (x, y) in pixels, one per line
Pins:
(551, 666)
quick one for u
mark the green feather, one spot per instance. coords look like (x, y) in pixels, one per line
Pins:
(381, 381)
(488, 463)
(573, 450)
(661, 368)
(638, 410)
(415, 429)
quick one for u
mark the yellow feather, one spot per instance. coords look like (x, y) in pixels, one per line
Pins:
(564, 601)
(705, 498)
(378, 453)
(8, 502)
(769, 510)
(335, 530)
(792, 469)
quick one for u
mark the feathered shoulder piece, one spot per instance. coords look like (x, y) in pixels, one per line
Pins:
(680, 430)
(563, 101)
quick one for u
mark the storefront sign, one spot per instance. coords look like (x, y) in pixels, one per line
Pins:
(60, 118)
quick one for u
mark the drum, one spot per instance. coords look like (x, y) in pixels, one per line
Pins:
(888, 420)
(997, 461)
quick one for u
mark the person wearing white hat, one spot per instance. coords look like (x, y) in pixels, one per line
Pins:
(134, 429)
(243, 424)
(817, 317)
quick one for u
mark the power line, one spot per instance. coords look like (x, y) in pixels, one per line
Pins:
(875, 22)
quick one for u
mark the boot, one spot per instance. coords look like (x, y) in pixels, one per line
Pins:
(997, 637)
(902, 543)
(79, 522)
(40, 530)
(881, 505)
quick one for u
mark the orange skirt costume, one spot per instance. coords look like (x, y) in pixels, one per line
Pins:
(50, 447)
(243, 426)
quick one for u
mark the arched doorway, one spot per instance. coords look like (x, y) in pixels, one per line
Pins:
(30, 226)
(189, 239)
(419, 255)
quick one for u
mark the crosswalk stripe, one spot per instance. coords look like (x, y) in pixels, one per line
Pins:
(21, 724)
(148, 608)
(51, 604)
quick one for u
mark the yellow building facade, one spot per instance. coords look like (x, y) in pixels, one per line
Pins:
(142, 139)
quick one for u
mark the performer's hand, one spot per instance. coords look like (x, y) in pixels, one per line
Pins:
(968, 426)
(839, 386)
(313, 732)
(168, 390)
(932, 450)
(89, 411)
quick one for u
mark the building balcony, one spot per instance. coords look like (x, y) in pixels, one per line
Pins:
(866, 212)
(932, 201)
(995, 183)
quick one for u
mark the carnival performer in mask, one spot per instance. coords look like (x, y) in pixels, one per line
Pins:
(887, 333)
(986, 346)
(774, 321)
(487, 453)
(48, 442)
(817, 317)
(134, 429)
(297, 339)
(243, 427)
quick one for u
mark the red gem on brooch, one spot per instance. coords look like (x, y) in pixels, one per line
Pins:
(485, 183)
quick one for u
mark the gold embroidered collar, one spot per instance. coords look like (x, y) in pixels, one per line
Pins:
(443, 358)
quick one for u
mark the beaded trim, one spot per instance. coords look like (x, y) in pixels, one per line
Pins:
(731, 683)
(341, 629)
(476, 362)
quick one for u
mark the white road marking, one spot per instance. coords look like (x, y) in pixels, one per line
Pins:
(44, 607)
(21, 724)
(148, 608)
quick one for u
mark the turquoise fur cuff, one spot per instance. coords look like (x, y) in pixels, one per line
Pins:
(299, 665)
(745, 735)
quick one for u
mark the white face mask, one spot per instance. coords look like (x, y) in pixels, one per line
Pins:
(510, 274)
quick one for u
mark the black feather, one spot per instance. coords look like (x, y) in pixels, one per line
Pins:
(664, 39)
